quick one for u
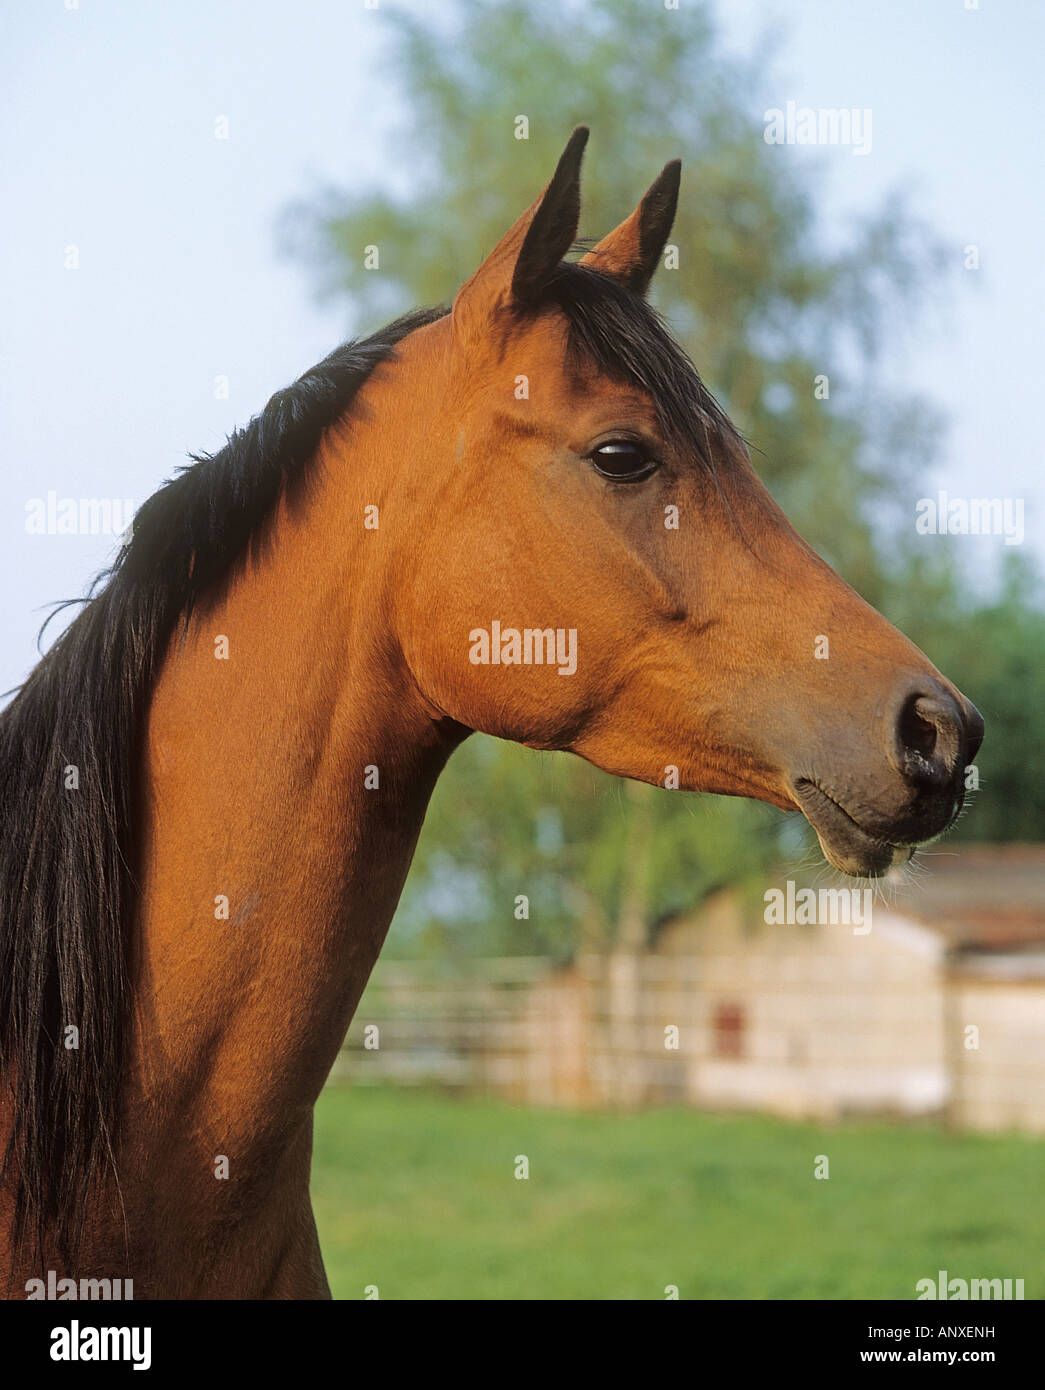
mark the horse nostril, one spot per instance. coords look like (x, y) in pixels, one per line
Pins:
(929, 733)
(916, 732)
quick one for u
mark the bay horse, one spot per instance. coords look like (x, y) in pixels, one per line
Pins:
(213, 782)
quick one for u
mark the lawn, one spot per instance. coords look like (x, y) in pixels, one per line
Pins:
(415, 1192)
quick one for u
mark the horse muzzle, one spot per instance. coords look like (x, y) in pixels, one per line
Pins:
(872, 808)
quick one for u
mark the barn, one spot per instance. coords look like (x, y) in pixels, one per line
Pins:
(925, 1003)
(932, 1009)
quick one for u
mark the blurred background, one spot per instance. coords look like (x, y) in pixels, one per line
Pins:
(580, 973)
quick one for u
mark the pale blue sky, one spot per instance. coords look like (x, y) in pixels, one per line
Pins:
(107, 143)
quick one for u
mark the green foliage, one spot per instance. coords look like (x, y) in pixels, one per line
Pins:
(506, 822)
(764, 305)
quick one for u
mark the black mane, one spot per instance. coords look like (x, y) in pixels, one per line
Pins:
(68, 854)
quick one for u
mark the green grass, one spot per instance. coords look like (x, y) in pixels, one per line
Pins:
(415, 1192)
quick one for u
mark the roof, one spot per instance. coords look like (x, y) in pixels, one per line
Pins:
(978, 897)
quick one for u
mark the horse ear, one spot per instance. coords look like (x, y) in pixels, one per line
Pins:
(523, 260)
(553, 228)
(632, 251)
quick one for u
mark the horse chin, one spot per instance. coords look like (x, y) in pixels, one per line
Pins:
(868, 858)
(847, 846)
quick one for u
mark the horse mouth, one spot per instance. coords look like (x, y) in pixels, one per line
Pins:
(847, 845)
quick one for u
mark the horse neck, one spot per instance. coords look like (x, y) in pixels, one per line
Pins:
(285, 785)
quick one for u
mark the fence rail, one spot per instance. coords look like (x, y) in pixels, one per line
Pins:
(726, 1033)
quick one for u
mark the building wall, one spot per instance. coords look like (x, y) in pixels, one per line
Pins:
(835, 1023)
(800, 1021)
(1000, 1083)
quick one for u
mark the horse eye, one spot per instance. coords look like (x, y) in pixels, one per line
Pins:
(623, 461)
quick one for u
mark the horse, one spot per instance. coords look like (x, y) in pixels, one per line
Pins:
(524, 514)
